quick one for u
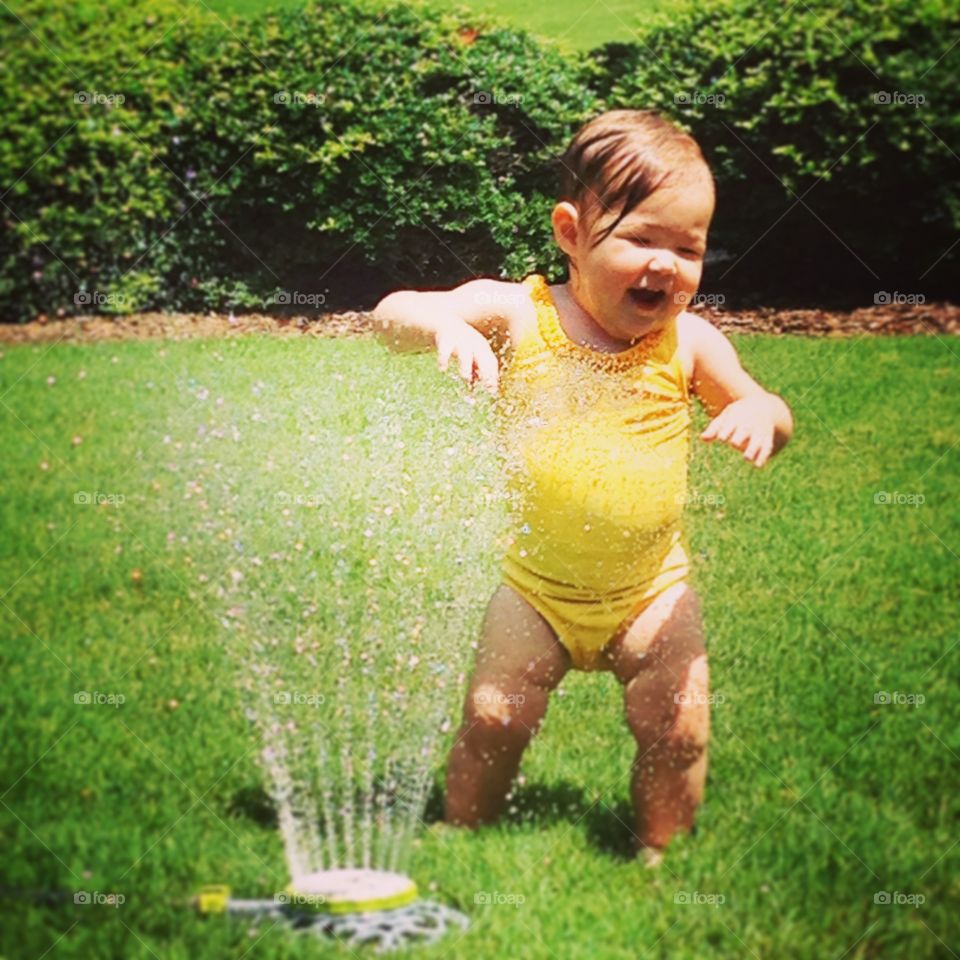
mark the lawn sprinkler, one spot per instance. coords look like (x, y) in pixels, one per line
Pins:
(361, 907)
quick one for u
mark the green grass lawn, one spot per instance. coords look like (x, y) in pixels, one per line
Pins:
(580, 26)
(816, 599)
(576, 25)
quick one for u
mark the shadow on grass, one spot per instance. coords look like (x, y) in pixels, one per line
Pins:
(607, 829)
(254, 803)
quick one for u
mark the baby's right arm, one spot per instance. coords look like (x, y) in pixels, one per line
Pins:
(468, 322)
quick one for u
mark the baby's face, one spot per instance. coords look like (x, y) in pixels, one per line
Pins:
(649, 267)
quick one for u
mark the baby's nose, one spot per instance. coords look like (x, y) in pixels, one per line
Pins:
(662, 262)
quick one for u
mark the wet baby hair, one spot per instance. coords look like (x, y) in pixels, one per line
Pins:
(619, 158)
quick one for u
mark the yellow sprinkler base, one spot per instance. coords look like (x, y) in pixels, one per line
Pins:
(360, 907)
(349, 891)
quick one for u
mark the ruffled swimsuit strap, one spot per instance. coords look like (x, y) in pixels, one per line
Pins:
(661, 342)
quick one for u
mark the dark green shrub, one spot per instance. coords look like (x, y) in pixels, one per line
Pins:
(340, 149)
(86, 178)
(833, 127)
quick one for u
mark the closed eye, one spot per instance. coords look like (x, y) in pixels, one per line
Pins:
(687, 250)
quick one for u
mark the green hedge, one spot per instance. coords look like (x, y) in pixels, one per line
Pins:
(333, 153)
(833, 127)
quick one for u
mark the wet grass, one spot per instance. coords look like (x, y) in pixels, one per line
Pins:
(829, 616)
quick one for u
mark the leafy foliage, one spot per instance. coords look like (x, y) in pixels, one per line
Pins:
(833, 130)
(157, 157)
(290, 152)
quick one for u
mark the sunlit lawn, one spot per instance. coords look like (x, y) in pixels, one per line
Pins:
(580, 26)
(817, 600)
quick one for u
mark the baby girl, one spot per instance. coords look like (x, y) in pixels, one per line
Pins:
(594, 380)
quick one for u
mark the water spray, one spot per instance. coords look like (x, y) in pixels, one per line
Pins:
(344, 549)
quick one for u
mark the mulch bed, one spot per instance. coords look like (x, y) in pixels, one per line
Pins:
(897, 319)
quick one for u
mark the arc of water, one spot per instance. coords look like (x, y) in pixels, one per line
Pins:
(282, 790)
(416, 800)
(404, 797)
(304, 808)
(326, 803)
(367, 784)
(347, 803)
(383, 817)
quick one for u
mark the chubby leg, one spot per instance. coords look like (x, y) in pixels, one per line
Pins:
(661, 661)
(518, 663)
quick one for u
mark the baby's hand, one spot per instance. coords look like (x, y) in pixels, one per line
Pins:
(476, 358)
(747, 424)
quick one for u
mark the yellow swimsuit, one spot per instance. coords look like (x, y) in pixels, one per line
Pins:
(596, 447)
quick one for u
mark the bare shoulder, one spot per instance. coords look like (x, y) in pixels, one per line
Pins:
(693, 328)
(693, 333)
(497, 307)
(700, 340)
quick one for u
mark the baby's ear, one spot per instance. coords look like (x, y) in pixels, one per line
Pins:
(566, 226)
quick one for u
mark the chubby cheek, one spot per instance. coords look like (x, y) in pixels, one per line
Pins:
(620, 269)
(688, 278)
(609, 275)
(618, 263)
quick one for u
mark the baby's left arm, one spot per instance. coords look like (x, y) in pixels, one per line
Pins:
(742, 413)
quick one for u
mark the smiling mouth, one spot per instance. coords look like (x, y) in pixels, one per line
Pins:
(647, 298)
